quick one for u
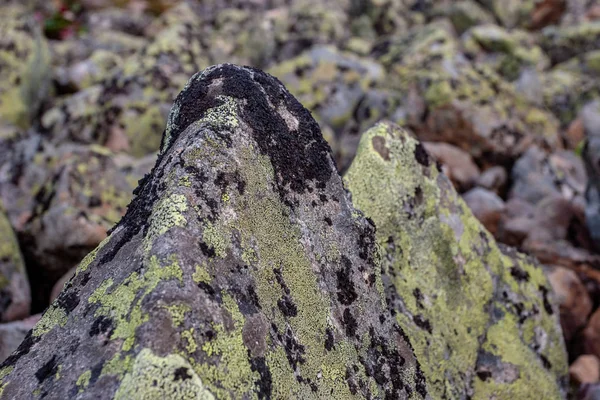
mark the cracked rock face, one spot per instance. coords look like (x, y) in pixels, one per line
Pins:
(242, 270)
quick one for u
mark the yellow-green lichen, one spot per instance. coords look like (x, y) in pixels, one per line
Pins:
(84, 380)
(54, 316)
(155, 377)
(166, 214)
(123, 302)
(177, 312)
(87, 260)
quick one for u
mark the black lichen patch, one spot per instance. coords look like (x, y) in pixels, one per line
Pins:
(418, 297)
(182, 374)
(349, 322)
(519, 274)
(329, 339)
(23, 349)
(422, 323)
(46, 370)
(298, 156)
(346, 292)
(286, 303)
(68, 300)
(421, 155)
(100, 325)
(287, 306)
(547, 305)
(328, 221)
(294, 351)
(265, 383)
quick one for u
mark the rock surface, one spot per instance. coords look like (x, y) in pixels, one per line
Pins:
(242, 269)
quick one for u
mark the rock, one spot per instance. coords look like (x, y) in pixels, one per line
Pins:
(537, 175)
(591, 335)
(61, 202)
(586, 369)
(13, 333)
(591, 157)
(563, 43)
(493, 179)
(24, 70)
(15, 297)
(467, 104)
(240, 269)
(486, 206)
(508, 53)
(575, 134)
(573, 299)
(566, 91)
(456, 164)
(449, 305)
(512, 13)
(466, 14)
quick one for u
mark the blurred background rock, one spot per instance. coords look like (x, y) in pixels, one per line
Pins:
(505, 93)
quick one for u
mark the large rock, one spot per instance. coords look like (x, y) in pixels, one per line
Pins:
(24, 69)
(15, 297)
(240, 269)
(479, 316)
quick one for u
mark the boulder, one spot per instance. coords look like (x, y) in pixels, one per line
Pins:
(484, 309)
(15, 296)
(13, 333)
(24, 69)
(240, 269)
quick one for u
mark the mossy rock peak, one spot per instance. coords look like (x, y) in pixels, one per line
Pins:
(242, 270)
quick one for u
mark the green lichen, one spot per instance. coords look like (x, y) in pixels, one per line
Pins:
(177, 312)
(201, 274)
(166, 214)
(123, 302)
(84, 380)
(155, 377)
(4, 372)
(54, 316)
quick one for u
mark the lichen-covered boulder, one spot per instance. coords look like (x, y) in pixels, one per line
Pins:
(15, 297)
(24, 69)
(479, 315)
(563, 43)
(508, 52)
(452, 99)
(241, 270)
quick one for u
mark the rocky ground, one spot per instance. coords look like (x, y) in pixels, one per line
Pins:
(505, 95)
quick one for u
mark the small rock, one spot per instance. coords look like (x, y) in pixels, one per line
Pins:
(513, 231)
(487, 206)
(573, 299)
(13, 333)
(586, 369)
(493, 179)
(457, 164)
(591, 335)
